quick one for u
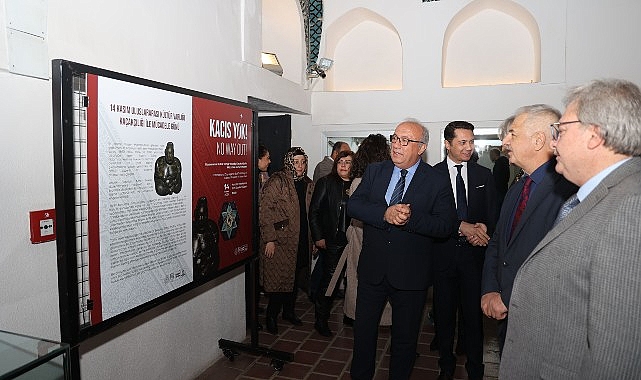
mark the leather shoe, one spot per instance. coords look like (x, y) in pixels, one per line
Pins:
(272, 326)
(347, 321)
(323, 328)
(459, 350)
(293, 319)
(444, 376)
(434, 344)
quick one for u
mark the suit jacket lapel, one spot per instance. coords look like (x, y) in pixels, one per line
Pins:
(383, 179)
(414, 186)
(601, 191)
(510, 202)
(472, 178)
(542, 190)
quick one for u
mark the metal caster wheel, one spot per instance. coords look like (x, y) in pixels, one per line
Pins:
(230, 354)
(277, 364)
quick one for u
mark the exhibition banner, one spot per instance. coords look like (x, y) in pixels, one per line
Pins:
(169, 190)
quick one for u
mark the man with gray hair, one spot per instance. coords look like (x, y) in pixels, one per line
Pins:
(404, 204)
(528, 211)
(575, 310)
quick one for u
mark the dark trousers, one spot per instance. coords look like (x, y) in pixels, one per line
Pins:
(407, 311)
(323, 303)
(278, 301)
(501, 333)
(315, 278)
(460, 283)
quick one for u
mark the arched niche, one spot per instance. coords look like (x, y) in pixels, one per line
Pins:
(367, 53)
(491, 42)
(283, 34)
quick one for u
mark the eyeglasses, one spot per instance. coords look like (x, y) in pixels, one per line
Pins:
(554, 128)
(403, 140)
(341, 162)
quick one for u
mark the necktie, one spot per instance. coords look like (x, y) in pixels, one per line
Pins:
(565, 209)
(461, 198)
(397, 194)
(525, 195)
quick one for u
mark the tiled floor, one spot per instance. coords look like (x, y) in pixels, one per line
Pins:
(320, 358)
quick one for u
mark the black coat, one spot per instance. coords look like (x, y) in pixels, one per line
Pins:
(501, 173)
(327, 211)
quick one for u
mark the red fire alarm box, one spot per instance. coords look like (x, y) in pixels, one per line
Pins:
(43, 225)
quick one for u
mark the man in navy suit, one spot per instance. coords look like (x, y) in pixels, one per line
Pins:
(458, 259)
(395, 261)
(527, 143)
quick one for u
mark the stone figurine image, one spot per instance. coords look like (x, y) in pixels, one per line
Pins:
(204, 241)
(167, 173)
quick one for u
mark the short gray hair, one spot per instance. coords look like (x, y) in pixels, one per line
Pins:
(539, 117)
(425, 134)
(613, 105)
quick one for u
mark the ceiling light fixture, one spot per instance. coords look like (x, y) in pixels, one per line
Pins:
(270, 62)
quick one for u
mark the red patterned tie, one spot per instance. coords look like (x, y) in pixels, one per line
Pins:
(525, 195)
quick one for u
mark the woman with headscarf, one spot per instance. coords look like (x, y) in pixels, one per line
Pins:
(328, 222)
(285, 244)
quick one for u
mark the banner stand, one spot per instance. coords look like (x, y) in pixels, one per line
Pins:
(231, 348)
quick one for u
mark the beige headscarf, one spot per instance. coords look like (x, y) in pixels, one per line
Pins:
(288, 162)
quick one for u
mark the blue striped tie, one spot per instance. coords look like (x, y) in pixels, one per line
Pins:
(397, 194)
(571, 203)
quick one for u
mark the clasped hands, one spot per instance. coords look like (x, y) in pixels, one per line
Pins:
(398, 214)
(476, 233)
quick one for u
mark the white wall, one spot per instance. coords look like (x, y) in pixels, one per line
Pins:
(580, 40)
(208, 46)
(285, 39)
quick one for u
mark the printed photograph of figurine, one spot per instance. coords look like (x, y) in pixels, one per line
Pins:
(167, 173)
(229, 220)
(204, 241)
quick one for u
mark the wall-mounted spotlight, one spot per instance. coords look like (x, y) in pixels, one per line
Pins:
(318, 69)
(270, 62)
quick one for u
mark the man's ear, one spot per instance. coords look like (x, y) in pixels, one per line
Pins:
(540, 140)
(596, 137)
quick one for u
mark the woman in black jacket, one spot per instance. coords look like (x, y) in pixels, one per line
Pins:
(328, 222)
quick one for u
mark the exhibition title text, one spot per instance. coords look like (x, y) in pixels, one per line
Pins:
(229, 130)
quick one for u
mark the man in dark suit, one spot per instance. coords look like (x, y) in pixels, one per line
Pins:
(528, 211)
(404, 204)
(501, 174)
(575, 310)
(458, 259)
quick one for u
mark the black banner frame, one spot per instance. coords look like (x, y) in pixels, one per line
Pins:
(72, 332)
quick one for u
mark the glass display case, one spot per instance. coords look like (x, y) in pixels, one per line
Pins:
(24, 357)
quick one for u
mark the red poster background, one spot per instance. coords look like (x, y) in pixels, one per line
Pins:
(214, 181)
